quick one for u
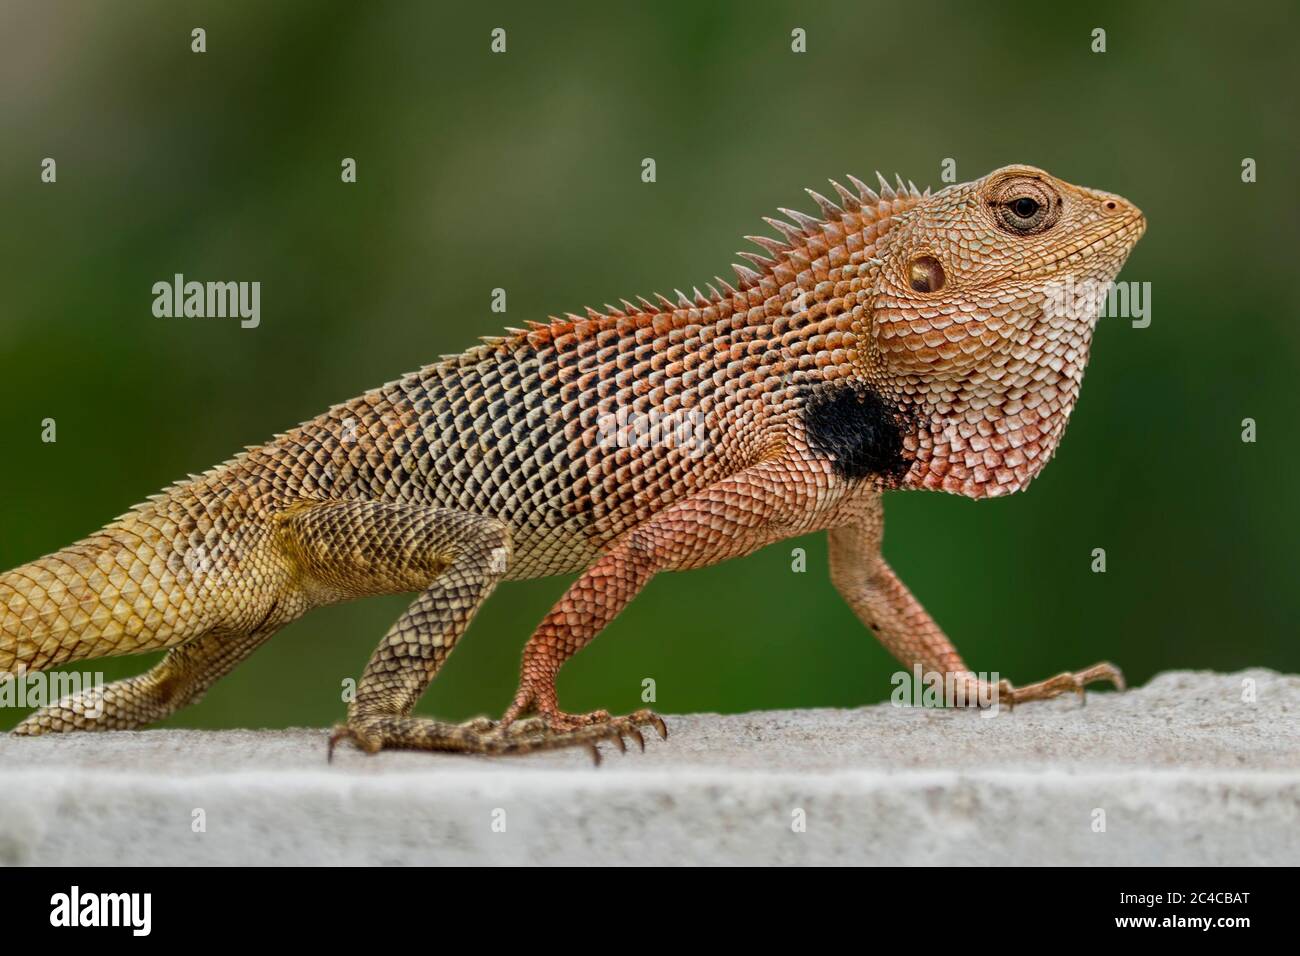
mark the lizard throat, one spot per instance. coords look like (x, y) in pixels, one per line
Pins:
(984, 448)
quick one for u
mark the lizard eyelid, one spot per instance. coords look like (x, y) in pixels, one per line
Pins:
(1025, 208)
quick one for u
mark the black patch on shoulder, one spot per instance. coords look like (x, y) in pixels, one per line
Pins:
(858, 430)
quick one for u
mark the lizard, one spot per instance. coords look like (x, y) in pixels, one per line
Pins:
(897, 340)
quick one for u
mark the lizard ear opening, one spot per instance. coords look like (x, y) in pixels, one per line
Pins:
(926, 274)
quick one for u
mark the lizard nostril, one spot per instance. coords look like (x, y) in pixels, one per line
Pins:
(1111, 205)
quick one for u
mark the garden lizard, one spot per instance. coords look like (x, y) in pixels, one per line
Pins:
(894, 340)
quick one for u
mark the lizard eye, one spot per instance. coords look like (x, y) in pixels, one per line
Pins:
(926, 274)
(1025, 207)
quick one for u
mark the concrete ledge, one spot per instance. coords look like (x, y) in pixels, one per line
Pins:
(1185, 771)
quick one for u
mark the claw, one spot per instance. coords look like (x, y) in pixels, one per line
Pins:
(595, 754)
(336, 735)
(1104, 671)
(636, 735)
(617, 737)
(660, 726)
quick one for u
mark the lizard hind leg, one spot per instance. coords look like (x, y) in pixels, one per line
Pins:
(454, 559)
(181, 678)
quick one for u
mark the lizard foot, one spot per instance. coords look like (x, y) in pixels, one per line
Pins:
(540, 700)
(482, 736)
(1061, 684)
(559, 722)
(559, 729)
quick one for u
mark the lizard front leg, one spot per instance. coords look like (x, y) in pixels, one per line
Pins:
(883, 603)
(591, 602)
(730, 518)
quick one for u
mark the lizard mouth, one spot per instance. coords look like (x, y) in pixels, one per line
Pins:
(1125, 236)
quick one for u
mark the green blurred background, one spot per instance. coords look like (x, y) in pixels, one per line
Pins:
(522, 171)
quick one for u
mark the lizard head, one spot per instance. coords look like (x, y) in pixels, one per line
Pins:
(985, 303)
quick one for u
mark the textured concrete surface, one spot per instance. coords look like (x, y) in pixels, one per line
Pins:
(1184, 770)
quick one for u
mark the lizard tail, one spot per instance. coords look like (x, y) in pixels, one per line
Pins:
(100, 597)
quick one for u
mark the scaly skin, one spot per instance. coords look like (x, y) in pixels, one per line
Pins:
(901, 340)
